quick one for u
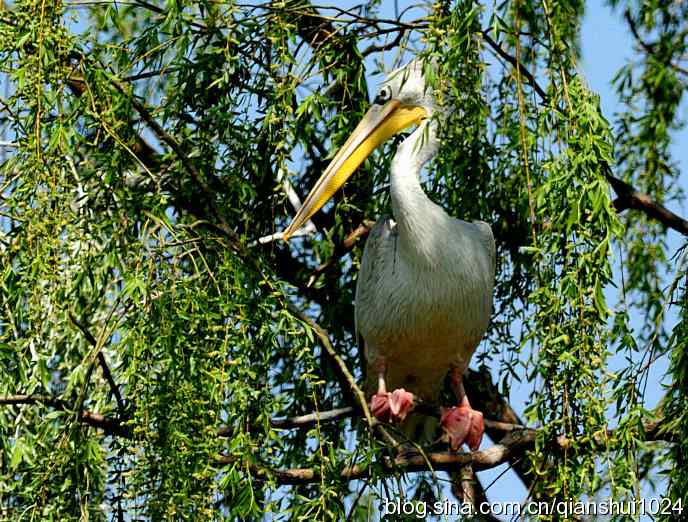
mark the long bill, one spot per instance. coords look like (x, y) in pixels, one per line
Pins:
(378, 125)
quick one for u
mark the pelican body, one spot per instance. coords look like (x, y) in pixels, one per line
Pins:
(424, 291)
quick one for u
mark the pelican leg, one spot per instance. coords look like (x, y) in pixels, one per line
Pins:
(379, 403)
(386, 406)
(462, 423)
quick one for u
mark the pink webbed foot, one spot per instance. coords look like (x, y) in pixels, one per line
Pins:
(462, 424)
(391, 407)
(400, 403)
(379, 406)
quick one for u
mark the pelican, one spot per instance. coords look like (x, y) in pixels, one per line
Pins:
(424, 291)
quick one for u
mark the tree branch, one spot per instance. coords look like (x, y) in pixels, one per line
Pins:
(497, 427)
(513, 446)
(176, 147)
(301, 421)
(163, 135)
(385, 47)
(340, 365)
(109, 425)
(629, 197)
(516, 441)
(486, 397)
(530, 79)
(467, 489)
(343, 248)
(101, 361)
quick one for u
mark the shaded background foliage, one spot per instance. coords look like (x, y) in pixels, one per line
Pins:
(151, 144)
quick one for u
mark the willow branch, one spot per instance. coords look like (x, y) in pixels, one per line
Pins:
(189, 166)
(627, 196)
(101, 361)
(163, 135)
(340, 364)
(649, 48)
(513, 446)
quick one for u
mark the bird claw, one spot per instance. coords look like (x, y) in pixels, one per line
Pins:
(462, 424)
(379, 406)
(400, 404)
(391, 407)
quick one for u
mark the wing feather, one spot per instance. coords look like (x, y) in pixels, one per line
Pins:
(372, 254)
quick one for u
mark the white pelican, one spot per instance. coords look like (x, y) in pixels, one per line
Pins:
(424, 291)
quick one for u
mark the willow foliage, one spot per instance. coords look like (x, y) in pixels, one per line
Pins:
(149, 341)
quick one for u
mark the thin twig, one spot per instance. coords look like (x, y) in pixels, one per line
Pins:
(342, 248)
(516, 65)
(341, 365)
(648, 47)
(102, 361)
(301, 421)
(385, 47)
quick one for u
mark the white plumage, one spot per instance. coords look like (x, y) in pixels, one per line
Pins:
(424, 291)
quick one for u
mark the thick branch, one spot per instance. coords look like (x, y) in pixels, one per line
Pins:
(514, 443)
(511, 447)
(109, 425)
(467, 489)
(486, 397)
(629, 197)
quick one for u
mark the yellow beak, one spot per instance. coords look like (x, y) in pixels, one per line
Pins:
(378, 125)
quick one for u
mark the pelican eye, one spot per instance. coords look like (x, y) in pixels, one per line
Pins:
(383, 96)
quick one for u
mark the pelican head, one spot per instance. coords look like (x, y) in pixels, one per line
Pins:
(403, 100)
